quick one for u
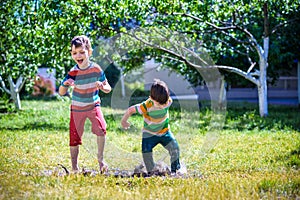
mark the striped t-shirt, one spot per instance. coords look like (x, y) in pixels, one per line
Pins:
(85, 93)
(156, 120)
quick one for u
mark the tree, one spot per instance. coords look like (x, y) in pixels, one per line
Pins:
(35, 34)
(14, 48)
(23, 45)
(237, 27)
(38, 33)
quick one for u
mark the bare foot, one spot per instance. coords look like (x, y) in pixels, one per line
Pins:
(103, 167)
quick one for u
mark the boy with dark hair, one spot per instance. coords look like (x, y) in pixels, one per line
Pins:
(156, 130)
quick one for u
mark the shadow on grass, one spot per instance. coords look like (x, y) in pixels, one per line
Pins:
(242, 116)
(239, 116)
(294, 158)
(38, 126)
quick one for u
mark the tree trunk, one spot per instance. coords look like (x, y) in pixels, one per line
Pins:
(222, 96)
(14, 94)
(16, 98)
(263, 65)
(262, 85)
(15, 90)
(262, 95)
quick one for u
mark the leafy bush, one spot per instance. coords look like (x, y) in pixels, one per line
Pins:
(6, 104)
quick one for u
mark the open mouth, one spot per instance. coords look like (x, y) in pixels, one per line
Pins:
(80, 61)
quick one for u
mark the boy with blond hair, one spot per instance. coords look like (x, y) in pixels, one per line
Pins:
(86, 78)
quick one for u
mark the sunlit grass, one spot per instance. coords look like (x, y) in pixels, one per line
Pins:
(259, 161)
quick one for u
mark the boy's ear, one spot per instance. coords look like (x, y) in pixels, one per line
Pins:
(90, 52)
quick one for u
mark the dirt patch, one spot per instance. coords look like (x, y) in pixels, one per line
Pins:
(160, 170)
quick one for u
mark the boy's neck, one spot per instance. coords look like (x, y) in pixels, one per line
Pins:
(85, 66)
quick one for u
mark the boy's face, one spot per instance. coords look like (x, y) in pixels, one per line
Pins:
(81, 56)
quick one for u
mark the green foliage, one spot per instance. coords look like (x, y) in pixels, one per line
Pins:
(37, 33)
(6, 106)
(46, 28)
(112, 74)
(246, 118)
(233, 46)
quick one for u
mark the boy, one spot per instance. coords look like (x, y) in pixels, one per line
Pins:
(156, 130)
(87, 78)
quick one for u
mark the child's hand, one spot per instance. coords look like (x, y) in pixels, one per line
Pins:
(69, 82)
(125, 124)
(124, 121)
(99, 85)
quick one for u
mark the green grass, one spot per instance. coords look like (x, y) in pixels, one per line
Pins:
(250, 158)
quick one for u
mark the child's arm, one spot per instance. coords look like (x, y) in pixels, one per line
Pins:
(125, 124)
(63, 88)
(102, 84)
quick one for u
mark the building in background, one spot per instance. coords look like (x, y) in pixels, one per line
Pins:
(44, 83)
(285, 91)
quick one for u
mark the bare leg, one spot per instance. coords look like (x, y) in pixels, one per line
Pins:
(74, 151)
(101, 143)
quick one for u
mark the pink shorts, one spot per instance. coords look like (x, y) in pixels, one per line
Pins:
(77, 121)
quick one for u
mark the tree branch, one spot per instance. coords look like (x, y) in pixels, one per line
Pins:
(223, 27)
(230, 47)
(239, 72)
(206, 64)
(251, 67)
(235, 39)
(11, 83)
(180, 57)
(188, 15)
(4, 86)
(282, 24)
(19, 84)
(252, 40)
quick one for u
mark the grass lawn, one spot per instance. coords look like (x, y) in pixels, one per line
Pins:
(249, 158)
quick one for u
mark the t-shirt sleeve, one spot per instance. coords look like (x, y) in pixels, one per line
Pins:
(102, 76)
(64, 80)
(143, 107)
